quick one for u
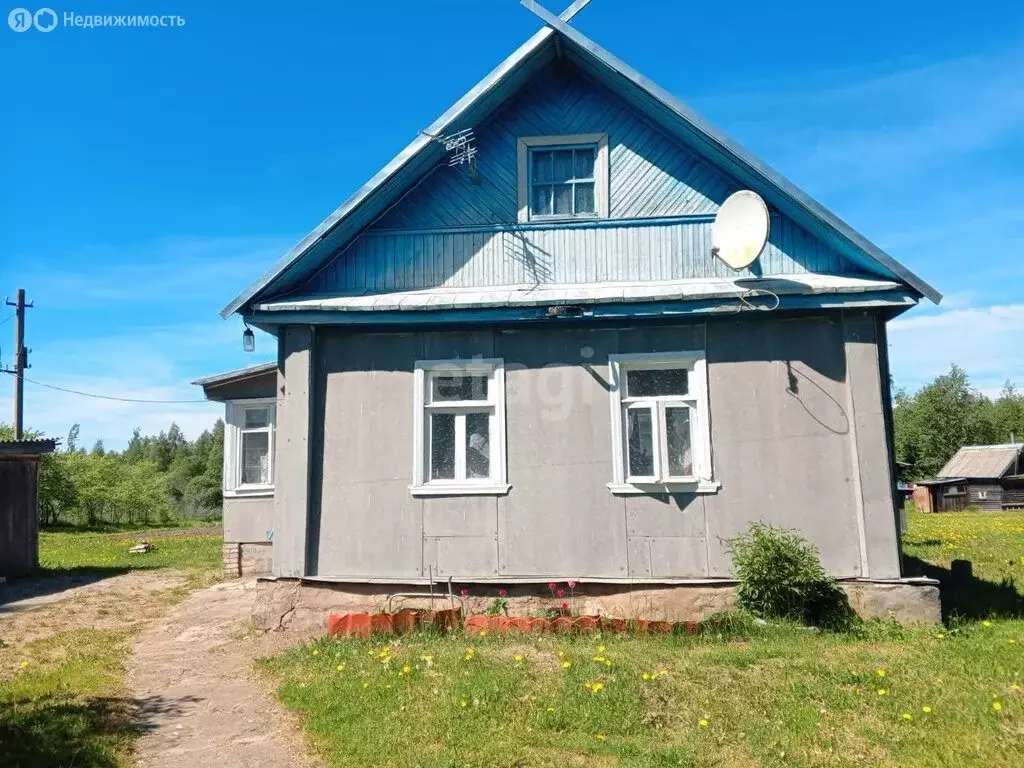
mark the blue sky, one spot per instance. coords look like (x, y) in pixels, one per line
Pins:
(151, 174)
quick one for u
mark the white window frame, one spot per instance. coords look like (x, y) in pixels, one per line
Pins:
(702, 480)
(423, 373)
(598, 140)
(234, 428)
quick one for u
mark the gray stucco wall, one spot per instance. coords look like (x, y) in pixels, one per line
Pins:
(798, 439)
(248, 520)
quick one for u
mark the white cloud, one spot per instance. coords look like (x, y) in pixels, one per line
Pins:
(985, 341)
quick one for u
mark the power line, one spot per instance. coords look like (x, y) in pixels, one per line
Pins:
(105, 397)
(8, 318)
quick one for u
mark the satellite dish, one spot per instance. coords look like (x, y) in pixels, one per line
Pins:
(741, 229)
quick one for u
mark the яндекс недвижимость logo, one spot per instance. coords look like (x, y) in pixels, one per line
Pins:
(22, 19)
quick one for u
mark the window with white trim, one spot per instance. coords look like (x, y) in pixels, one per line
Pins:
(563, 177)
(459, 432)
(249, 447)
(661, 432)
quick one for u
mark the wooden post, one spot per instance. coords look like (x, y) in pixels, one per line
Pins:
(20, 362)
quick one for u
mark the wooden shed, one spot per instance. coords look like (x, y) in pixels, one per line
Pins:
(978, 476)
(19, 499)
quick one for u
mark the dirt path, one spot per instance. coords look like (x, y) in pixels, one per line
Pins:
(199, 659)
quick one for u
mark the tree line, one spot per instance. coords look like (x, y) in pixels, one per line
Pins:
(932, 424)
(156, 478)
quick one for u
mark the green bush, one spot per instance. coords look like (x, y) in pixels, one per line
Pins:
(781, 577)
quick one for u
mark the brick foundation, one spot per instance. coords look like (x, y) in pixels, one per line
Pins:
(247, 558)
(304, 605)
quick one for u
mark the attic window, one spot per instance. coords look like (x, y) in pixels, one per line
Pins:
(563, 177)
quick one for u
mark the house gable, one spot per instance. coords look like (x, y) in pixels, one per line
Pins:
(385, 203)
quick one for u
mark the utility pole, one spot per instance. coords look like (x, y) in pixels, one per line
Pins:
(20, 361)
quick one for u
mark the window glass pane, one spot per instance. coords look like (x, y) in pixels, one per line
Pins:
(640, 442)
(442, 446)
(541, 205)
(585, 198)
(256, 417)
(255, 458)
(563, 165)
(478, 450)
(541, 166)
(584, 164)
(656, 382)
(563, 199)
(677, 433)
(469, 387)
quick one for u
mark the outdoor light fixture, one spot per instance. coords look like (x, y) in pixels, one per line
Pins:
(248, 339)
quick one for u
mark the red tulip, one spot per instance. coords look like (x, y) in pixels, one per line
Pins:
(503, 592)
(565, 606)
(464, 592)
(560, 593)
(552, 585)
(572, 584)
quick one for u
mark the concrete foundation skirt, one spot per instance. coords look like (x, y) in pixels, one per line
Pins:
(304, 604)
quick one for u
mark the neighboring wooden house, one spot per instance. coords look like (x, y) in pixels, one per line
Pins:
(537, 370)
(979, 476)
(19, 504)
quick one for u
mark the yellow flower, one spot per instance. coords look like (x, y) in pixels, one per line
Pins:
(463, 703)
(607, 662)
(907, 716)
(519, 658)
(880, 672)
(986, 623)
(926, 709)
(597, 687)
(366, 685)
(600, 737)
(566, 664)
(406, 669)
(551, 709)
(428, 658)
(561, 653)
(600, 649)
(940, 635)
(1012, 641)
(663, 673)
(703, 722)
(882, 691)
(24, 664)
(599, 658)
(996, 706)
(646, 676)
(483, 633)
(340, 667)
(316, 652)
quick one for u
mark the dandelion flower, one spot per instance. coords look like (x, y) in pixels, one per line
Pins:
(599, 658)
(703, 722)
(366, 685)
(663, 673)
(560, 653)
(566, 664)
(340, 667)
(406, 669)
(996, 706)
(1012, 641)
(551, 709)
(600, 737)
(24, 664)
(907, 716)
(880, 672)
(600, 649)
(483, 633)
(645, 676)
(316, 652)
(463, 703)
(519, 658)
(597, 687)
(607, 662)
(986, 623)
(926, 709)
(882, 691)
(940, 635)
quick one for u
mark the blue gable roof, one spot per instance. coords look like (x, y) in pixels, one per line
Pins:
(669, 164)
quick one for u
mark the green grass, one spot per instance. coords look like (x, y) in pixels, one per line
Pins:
(67, 551)
(62, 695)
(778, 696)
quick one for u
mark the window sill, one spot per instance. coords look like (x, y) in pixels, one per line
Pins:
(645, 489)
(249, 493)
(460, 489)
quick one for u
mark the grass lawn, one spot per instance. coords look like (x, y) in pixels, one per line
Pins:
(62, 696)
(778, 696)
